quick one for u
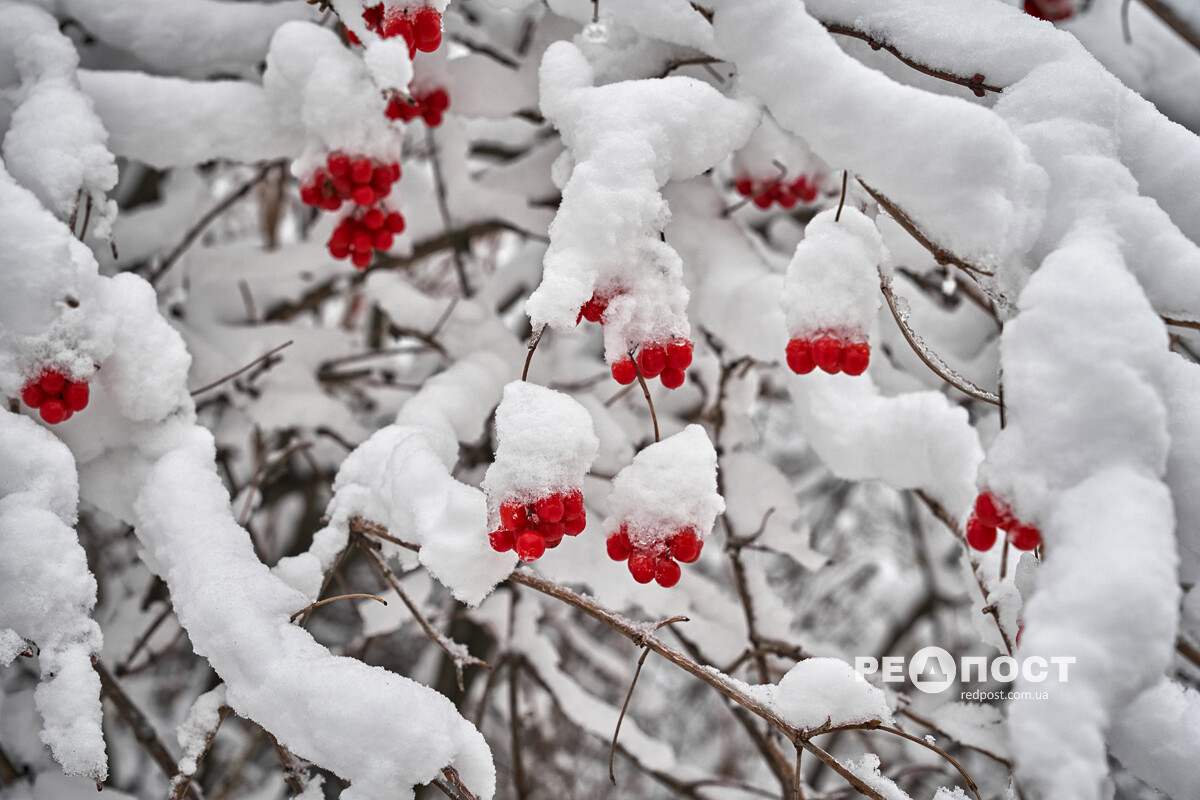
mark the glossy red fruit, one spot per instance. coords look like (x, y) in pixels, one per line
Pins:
(593, 310)
(1023, 537)
(362, 241)
(374, 219)
(310, 195)
(361, 258)
(363, 195)
(763, 200)
(32, 395)
(652, 359)
(549, 508)
(799, 356)
(624, 371)
(502, 540)
(381, 181)
(993, 511)
(686, 546)
(530, 545)
(673, 378)
(382, 240)
(373, 17)
(575, 525)
(572, 505)
(52, 382)
(339, 249)
(855, 358)
(76, 395)
(438, 99)
(744, 186)
(827, 353)
(331, 203)
(619, 546)
(54, 411)
(980, 536)
(513, 516)
(679, 353)
(809, 193)
(398, 109)
(666, 572)
(395, 222)
(432, 117)
(786, 198)
(642, 567)
(338, 164)
(554, 535)
(360, 170)
(427, 27)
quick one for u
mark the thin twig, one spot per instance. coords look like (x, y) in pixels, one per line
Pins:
(203, 223)
(646, 392)
(183, 780)
(264, 357)
(842, 202)
(319, 603)
(939, 253)
(514, 726)
(916, 740)
(612, 750)
(142, 640)
(1182, 323)
(440, 186)
(797, 790)
(534, 340)
(1174, 21)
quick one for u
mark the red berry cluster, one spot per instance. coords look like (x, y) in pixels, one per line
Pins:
(668, 361)
(1052, 10)
(55, 396)
(421, 29)
(786, 195)
(365, 183)
(532, 528)
(992, 513)
(659, 562)
(831, 353)
(430, 107)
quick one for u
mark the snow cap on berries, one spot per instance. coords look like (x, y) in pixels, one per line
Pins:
(832, 283)
(669, 486)
(544, 444)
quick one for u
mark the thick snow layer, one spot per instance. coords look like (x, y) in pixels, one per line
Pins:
(624, 141)
(47, 592)
(545, 444)
(1154, 738)
(833, 278)
(828, 690)
(670, 485)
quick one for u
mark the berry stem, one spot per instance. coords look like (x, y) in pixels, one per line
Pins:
(842, 202)
(533, 343)
(646, 392)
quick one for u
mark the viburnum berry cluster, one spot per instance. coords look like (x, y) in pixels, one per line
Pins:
(421, 27)
(990, 515)
(532, 528)
(365, 183)
(429, 106)
(830, 352)
(55, 396)
(667, 361)
(767, 193)
(656, 558)
(1051, 10)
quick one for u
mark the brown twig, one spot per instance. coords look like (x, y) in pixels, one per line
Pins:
(927, 356)
(534, 340)
(1174, 21)
(183, 779)
(142, 640)
(939, 253)
(612, 750)
(874, 726)
(319, 603)
(1182, 323)
(261, 359)
(975, 83)
(842, 202)
(452, 786)
(514, 726)
(646, 392)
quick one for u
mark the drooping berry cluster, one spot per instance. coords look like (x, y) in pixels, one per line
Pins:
(421, 28)
(533, 528)
(992, 514)
(55, 396)
(831, 353)
(667, 361)
(429, 106)
(766, 193)
(364, 183)
(1051, 10)
(659, 561)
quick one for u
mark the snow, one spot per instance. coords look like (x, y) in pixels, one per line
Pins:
(820, 691)
(1152, 738)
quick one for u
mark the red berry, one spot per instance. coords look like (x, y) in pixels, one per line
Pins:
(438, 99)
(52, 382)
(624, 371)
(686, 546)
(575, 525)
(339, 250)
(619, 546)
(855, 358)
(382, 181)
(363, 195)
(763, 200)
(331, 203)
(374, 219)
(827, 353)
(549, 508)
(432, 117)
(352, 37)
(76, 395)
(33, 395)
(572, 505)
(652, 358)
(679, 353)
(427, 28)
(809, 194)
(1023, 537)
(373, 17)
(530, 546)
(744, 186)
(54, 411)
(502, 540)
(785, 197)
(593, 310)
(310, 195)
(673, 378)
(980, 536)
(799, 356)
(383, 240)
(513, 516)
(993, 511)
(642, 567)
(361, 258)
(338, 164)
(666, 572)
(395, 222)
(360, 170)
(553, 536)
(362, 241)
